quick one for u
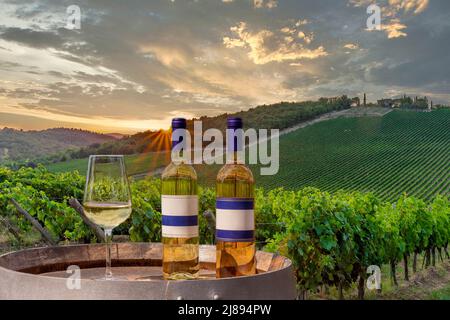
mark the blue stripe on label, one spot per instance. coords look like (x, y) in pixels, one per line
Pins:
(231, 235)
(234, 204)
(180, 221)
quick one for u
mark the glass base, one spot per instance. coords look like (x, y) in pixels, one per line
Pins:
(112, 278)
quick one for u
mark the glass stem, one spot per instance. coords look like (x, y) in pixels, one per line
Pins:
(108, 240)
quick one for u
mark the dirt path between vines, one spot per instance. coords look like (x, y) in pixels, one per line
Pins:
(422, 284)
(347, 113)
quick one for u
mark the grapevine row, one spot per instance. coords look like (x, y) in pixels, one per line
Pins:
(331, 237)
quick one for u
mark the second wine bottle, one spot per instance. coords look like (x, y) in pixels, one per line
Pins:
(235, 221)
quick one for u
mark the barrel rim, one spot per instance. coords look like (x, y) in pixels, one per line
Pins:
(286, 265)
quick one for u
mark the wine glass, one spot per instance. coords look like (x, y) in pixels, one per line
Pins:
(107, 197)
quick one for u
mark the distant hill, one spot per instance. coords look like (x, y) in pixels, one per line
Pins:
(55, 145)
(20, 145)
(280, 116)
(116, 135)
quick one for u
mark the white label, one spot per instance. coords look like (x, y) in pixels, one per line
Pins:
(235, 220)
(179, 216)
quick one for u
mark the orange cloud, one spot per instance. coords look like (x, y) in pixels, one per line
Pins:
(100, 124)
(265, 3)
(351, 46)
(394, 29)
(280, 49)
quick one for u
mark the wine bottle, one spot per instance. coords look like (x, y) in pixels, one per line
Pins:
(179, 207)
(235, 222)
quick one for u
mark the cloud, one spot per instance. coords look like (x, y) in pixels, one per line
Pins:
(265, 46)
(308, 38)
(301, 22)
(166, 55)
(407, 6)
(393, 12)
(394, 29)
(351, 46)
(37, 39)
(99, 122)
(270, 4)
(288, 30)
(53, 62)
(393, 7)
(149, 60)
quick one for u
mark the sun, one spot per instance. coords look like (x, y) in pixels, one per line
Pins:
(158, 150)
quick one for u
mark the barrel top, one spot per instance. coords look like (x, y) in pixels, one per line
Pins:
(41, 273)
(133, 261)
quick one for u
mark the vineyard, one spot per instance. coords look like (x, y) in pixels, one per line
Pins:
(331, 237)
(400, 152)
(136, 164)
(356, 192)
(403, 151)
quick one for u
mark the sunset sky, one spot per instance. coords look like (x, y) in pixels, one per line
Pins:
(135, 64)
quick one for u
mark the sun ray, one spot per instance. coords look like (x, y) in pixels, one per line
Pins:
(159, 145)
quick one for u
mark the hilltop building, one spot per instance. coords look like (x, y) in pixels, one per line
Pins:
(390, 103)
(333, 99)
(356, 102)
(405, 102)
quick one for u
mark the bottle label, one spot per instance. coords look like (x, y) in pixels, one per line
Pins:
(179, 216)
(235, 219)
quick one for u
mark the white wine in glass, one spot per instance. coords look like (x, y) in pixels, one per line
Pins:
(107, 215)
(107, 197)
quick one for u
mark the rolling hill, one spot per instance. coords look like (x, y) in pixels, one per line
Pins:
(20, 145)
(280, 115)
(401, 151)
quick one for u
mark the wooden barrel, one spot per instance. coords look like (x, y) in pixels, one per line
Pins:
(41, 273)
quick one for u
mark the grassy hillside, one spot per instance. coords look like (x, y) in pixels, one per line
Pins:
(401, 152)
(280, 115)
(404, 151)
(21, 145)
(136, 164)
